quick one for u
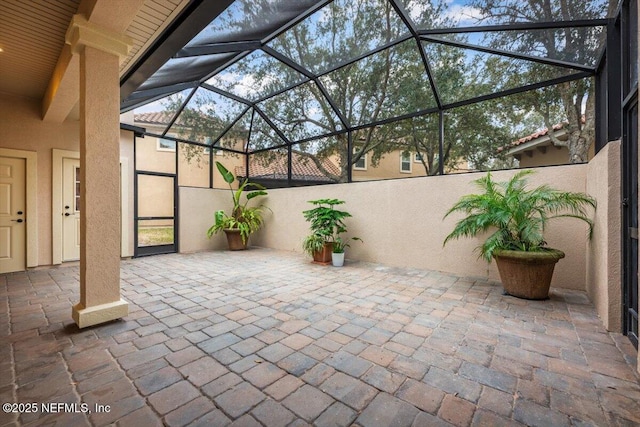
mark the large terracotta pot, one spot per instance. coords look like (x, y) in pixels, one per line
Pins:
(527, 274)
(324, 256)
(234, 240)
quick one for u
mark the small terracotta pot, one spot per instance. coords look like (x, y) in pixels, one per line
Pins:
(234, 240)
(324, 256)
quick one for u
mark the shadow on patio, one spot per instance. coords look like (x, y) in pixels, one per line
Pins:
(264, 337)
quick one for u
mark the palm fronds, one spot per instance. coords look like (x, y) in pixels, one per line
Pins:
(518, 216)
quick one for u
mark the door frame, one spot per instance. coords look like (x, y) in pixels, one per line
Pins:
(56, 201)
(629, 233)
(628, 24)
(140, 251)
(31, 189)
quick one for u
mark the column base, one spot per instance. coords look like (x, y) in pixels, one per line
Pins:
(102, 313)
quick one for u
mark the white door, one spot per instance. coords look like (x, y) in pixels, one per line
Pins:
(12, 215)
(70, 209)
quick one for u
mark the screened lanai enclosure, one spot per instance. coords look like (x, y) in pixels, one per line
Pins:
(307, 92)
(291, 93)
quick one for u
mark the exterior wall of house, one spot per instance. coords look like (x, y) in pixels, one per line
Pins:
(22, 128)
(194, 171)
(150, 158)
(407, 228)
(552, 156)
(231, 161)
(604, 253)
(388, 167)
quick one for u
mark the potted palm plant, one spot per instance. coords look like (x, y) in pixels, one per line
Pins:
(243, 219)
(518, 216)
(326, 224)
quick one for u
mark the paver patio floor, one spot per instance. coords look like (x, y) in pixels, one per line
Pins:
(264, 337)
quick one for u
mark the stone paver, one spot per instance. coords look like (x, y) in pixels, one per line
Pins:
(265, 338)
(272, 413)
(172, 397)
(308, 402)
(336, 415)
(203, 370)
(421, 395)
(263, 374)
(349, 390)
(387, 411)
(239, 399)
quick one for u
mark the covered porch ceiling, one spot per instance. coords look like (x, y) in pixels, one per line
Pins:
(32, 40)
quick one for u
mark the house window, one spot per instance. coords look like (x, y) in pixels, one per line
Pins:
(405, 162)
(361, 164)
(417, 158)
(209, 141)
(166, 145)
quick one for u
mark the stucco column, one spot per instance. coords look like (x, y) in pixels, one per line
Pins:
(100, 52)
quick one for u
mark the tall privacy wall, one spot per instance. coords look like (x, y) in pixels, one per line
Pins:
(604, 254)
(400, 221)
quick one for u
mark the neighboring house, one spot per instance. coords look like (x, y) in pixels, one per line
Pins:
(158, 155)
(538, 149)
(395, 164)
(272, 169)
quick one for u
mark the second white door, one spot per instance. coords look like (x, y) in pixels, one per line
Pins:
(70, 209)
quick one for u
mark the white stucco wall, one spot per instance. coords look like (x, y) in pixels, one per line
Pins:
(604, 254)
(400, 221)
(196, 209)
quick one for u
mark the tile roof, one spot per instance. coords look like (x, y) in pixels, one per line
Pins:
(302, 168)
(533, 136)
(537, 135)
(153, 118)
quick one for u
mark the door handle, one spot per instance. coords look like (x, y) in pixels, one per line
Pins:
(67, 214)
(17, 220)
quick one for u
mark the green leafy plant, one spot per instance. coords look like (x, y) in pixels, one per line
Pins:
(247, 219)
(327, 223)
(340, 245)
(313, 243)
(519, 215)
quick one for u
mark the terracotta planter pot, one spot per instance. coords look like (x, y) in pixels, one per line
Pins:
(234, 240)
(324, 256)
(527, 274)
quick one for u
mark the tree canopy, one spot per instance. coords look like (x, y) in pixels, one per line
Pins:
(356, 75)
